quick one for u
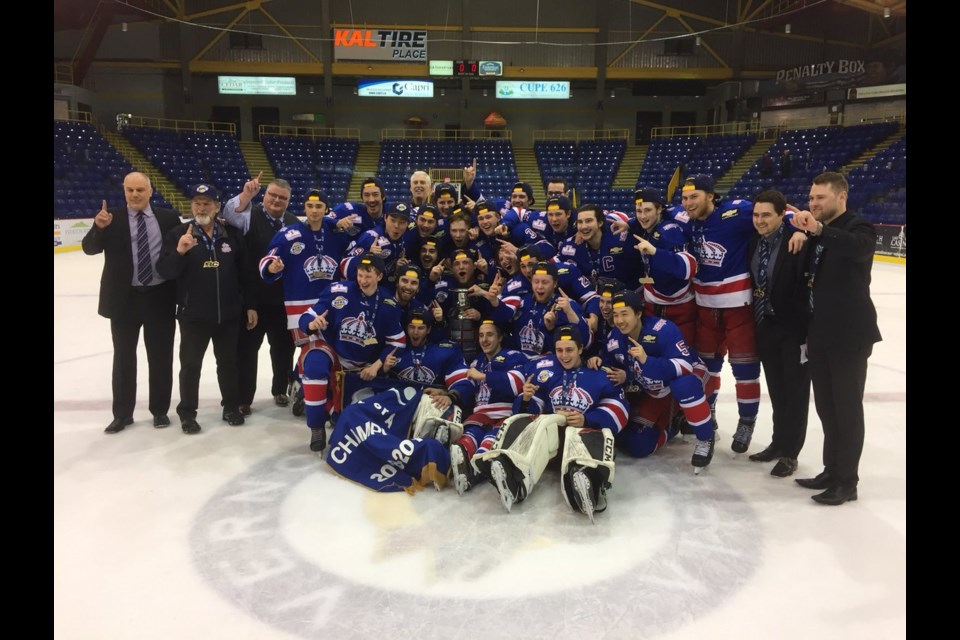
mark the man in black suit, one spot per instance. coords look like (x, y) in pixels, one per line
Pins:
(780, 299)
(134, 295)
(842, 331)
(259, 224)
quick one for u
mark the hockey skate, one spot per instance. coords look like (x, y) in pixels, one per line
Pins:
(464, 476)
(508, 480)
(318, 440)
(743, 436)
(586, 490)
(702, 454)
(295, 391)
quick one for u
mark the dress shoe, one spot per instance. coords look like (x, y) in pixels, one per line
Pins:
(118, 425)
(159, 422)
(784, 467)
(837, 494)
(190, 426)
(233, 418)
(281, 399)
(245, 410)
(769, 454)
(821, 482)
(318, 440)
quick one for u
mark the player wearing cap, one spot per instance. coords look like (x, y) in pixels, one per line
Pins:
(491, 235)
(364, 215)
(598, 251)
(409, 282)
(445, 199)
(495, 372)
(606, 288)
(214, 287)
(725, 324)
(552, 224)
(664, 250)
(649, 358)
(439, 366)
(357, 325)
(423, 226)
(585, 402)
(386, 240)
(533, 317)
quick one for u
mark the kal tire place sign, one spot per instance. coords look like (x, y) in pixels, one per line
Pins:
(402, 45)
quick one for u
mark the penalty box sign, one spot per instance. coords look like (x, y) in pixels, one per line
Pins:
(403, 45)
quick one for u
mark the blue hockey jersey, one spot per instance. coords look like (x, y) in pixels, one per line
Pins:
(668, 356)
(495, 393)
(528, 333)
(439, 364)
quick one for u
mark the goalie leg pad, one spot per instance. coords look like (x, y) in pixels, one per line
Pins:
(529, 443)
(590, 452)
(429, 422)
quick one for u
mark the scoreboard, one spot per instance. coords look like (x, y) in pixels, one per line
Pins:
(466, 68)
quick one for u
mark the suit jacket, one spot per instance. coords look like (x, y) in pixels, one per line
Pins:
(789, 295)
(115, 243)
(844, 318)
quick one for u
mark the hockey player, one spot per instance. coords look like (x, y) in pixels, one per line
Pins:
(649, 358)
(409, 280)
(586, 403)
(365, 215)
(496, 375)
(439, 366)
(553, 224)
(462, 301)
(358, 325)
(533, 317)
(606, 289)
(664, 250)
(598, 251)
(386, 241)
(569, 279)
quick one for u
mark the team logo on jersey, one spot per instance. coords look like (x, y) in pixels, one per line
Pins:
(226, 248)
(339, 302)
(499, 359)
(648, 339)
(322, 268)
(513, 285)
(729, 214)
(656, 235)
(297, 248)
(441, 296)
(577, 399)
(418, 373)
(483, 395)
(568, 250)
(544, 375)
(531, 340)
(539, 225)
(614, 250)
(357, 330)
(613, 344)
(291, 234)
(712, 254)
(544, 362)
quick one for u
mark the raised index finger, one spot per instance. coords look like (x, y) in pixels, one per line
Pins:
(635, 342)
(474, 164)
(103, 207)
(259, 176)
(322, 315)
(529, 378)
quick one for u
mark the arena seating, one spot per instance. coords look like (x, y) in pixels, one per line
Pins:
(326, 163)
(878, 188)
(87, 170)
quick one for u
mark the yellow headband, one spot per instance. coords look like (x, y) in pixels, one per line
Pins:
(416, 321)
(606, 294)
(366, 261)
(412, 274)
(461, 256)
(518, 190)
(553, 207)
(488, 321)
(313, 199)
(689, 187)
(541, 272)
(427, 214)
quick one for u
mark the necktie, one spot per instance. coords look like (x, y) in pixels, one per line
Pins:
(144, 264)
(761, 303)
(817, 254)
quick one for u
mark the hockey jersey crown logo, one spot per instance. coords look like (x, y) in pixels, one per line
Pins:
(357, 330)
(711, 253)
(418, 373)
(578, 399)
(531, 340)
(319, 268)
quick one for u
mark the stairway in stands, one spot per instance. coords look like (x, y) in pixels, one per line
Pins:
(528, 171)
(630, 166)
(869, 154)
(256, 159)
(368, 161)
(741, 166)
(160, 183)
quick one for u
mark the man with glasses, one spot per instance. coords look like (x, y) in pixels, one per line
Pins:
(259, 224)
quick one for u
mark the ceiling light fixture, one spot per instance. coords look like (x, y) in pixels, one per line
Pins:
(786, 28)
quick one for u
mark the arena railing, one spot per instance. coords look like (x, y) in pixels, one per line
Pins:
(446, 134)
(76, 116)
(63, 72)
(182, 125)
(308, 132)
(769, 131)
(579, 135)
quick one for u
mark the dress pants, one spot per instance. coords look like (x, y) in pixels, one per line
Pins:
(194, 338)
(153, 309)
(272, 322)
(788, 384)
(839, 378)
